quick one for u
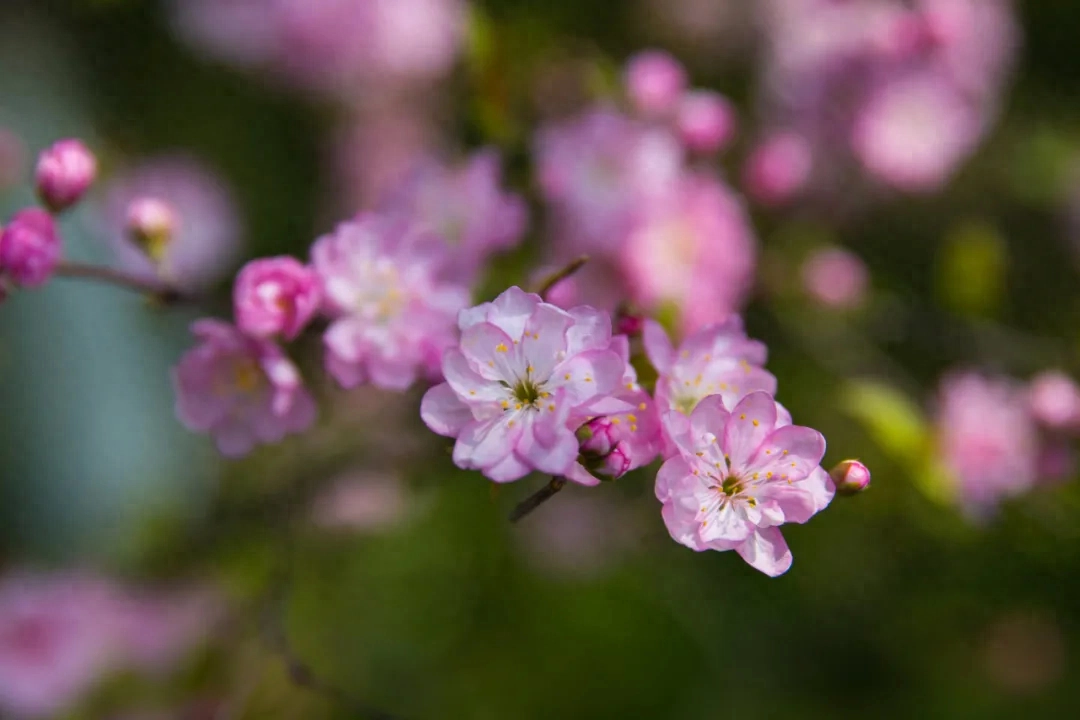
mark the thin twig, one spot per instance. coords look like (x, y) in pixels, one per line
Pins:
(558, 276)
(162, 292)
(537, 499)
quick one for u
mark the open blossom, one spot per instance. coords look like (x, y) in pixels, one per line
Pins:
(622, 432)
(242, 390)
(987, 439)
(30, 247)
(694, 249)
(717, 360)
(55, 642)
(597, 170)
(738, 476)
(524, 371)
(393, 316)
(64, 173)
(467, 208)
(275, 296)
(205, 239)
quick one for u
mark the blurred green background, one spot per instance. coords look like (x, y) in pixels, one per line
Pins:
(896, 605)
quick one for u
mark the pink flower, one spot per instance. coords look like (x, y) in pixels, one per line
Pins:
(987, 439)
(523, 372)
(597, 170)
(654, 82)
(275, 296)
(205, 243)
(467, 208)
(55, 642)
(623, 430)
(778, 169)
(835, 277)
(30, 248)
(694, 250)
(65, 171)
(717, 360)
(738, 476)
(242, 390)
(913, 134)
(393, 316)
(706, 121)
(1054, 399)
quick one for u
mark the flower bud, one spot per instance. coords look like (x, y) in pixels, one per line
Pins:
(30, 248)
(654, 82)
(705, 121)
(629, 323)
(64, 173)
(1054, 400)
(274, 296)
(835, 278)
(151, 224)
(778, 169)
(601, 451)
(851, 477)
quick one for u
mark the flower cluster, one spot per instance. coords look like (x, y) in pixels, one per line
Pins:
(532, 387)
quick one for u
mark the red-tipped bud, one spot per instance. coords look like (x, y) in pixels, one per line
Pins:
(850, 477)
(65, 171)
(151, 224)
(601, 452)
(30, 248)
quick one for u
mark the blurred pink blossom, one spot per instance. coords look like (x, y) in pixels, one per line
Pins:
(524, 376)
(706, 121)
(156, 628)
(275, 296)
(393, 317)
(835, 277)
(466, 207)
(56, 641)
(30, 248)
(738, 476)
(1054, 399)
(987, 439)
(206, 241)
(362, 501)
(694, 250)
(778, 169)
(241, 390)
(654, 82)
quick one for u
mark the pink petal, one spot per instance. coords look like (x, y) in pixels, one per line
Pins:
(790, 453)
(670, 477)
(751, 422)
(592, 373)
(482, 445)
(511, 310)
(658, 347)
(444, 412)
(508, 470)
(581, 476)
(545, 339)
(726, 524)
(710, 417)
(677, 431)
(549, 450)
(591, 330)
(466, 383)
(492, 353)
(766, 551)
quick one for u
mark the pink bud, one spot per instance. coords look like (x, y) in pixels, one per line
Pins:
(1054, 400)
(706, 121)
(64, 173)
(601, 451)
(851, 477)
(151, 224)
(654, 82)
(778, 169)
(30, 248)
(274, 296)
(628, 322)
(835, 277)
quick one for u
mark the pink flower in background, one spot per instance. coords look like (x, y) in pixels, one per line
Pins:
(30, 248)
(654, 82)
(706, 121)
(363, 501)
(778, 169)
(694, 250)
(835, 277)
(205, 243)
(241, 390)
(55, 642)
(275, 296)
(620, 433)
(1054, 399)
(65, 171)
(738, 476)
(467, 208)
(987, 439)
(392, 316)
(717, 360)
(913, 134)
(597, 170)
(156, 629)
(329, 45)
(523, 371)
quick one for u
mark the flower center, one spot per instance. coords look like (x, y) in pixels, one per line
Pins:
(527, 392)
(732, 485)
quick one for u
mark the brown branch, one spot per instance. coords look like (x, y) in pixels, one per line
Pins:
(558, 276)
(162, 292)
(537, 499)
